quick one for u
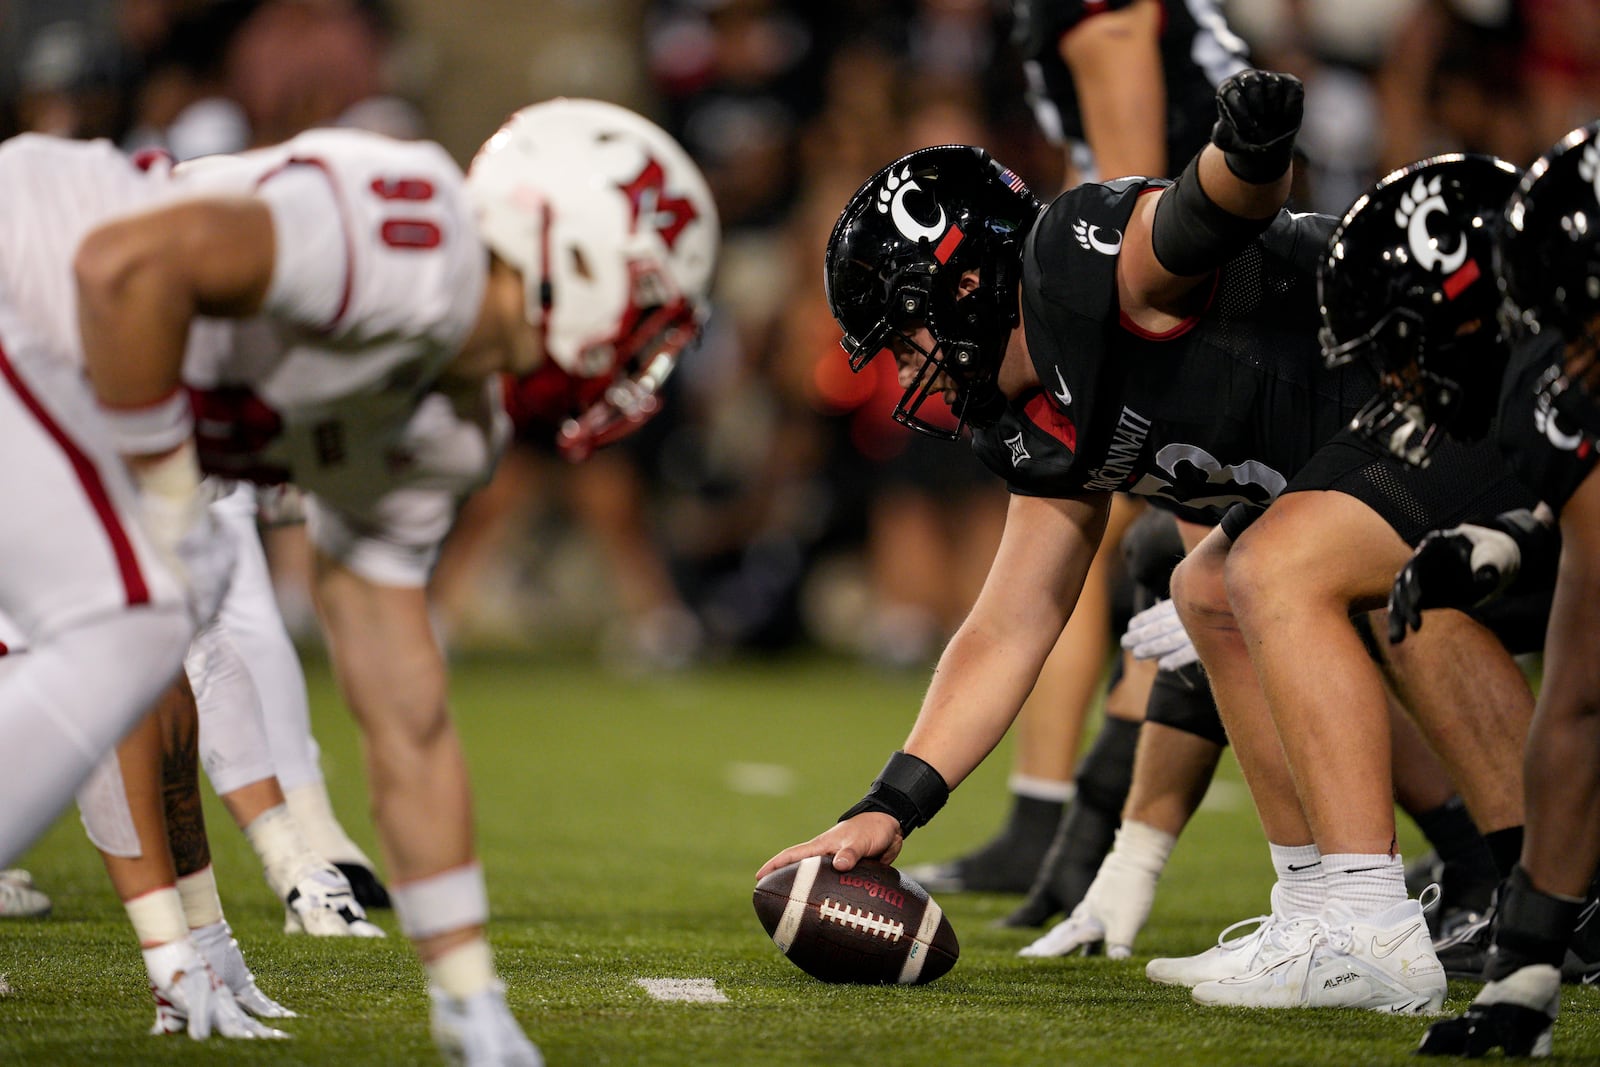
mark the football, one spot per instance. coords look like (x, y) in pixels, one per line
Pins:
(870, 925)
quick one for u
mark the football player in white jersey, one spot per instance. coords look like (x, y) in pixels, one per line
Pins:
(340, 308)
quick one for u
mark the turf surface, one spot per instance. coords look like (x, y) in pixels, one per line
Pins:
(621, 822)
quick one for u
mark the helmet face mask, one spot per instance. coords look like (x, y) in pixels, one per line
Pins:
(1407, 285)
(613, 230)
(934, 240)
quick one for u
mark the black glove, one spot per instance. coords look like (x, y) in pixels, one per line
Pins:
(1467, 566)
(1258, 115)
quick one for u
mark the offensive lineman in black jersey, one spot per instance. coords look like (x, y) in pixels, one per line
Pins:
(1093, 397)
(1548, 262)
(1125, 87)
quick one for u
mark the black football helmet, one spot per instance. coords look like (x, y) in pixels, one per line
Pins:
(1548, 261)
(897, 256)
(1407, 283)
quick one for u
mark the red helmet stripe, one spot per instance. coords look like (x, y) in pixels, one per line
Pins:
(947, 244)
(1462, 278)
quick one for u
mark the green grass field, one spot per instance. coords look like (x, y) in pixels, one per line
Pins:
(620, 836)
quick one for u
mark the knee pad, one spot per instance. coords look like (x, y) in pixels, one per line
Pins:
(1152, 549)
(1182, 700)
(103, 809)
(233, 739)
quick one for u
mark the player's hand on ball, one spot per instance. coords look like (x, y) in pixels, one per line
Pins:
(870, 835)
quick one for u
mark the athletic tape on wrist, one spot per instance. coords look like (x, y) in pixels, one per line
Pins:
(907, 789)
(201, 904)
(150, 429)
(1191, 234)
(442, 902)
(157, 917)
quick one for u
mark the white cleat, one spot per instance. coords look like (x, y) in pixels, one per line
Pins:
(197, 1002)
(322, 905)
(216, 943)
(19, 899)
(1275, 935)
(480, 1031)
(1384, 962)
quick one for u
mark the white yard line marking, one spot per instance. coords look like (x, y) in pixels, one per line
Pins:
(696, 990)
(760, 779)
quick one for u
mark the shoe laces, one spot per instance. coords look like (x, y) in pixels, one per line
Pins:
(1258, 925)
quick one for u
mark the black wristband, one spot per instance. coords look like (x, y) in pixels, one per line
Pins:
(908, 789)
(1191, 234)
(1261, 165)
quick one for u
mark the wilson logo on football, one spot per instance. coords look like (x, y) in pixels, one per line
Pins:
(892, 897)
(861, 919)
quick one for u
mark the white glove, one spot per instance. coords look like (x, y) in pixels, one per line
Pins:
(196, 1001)
(1157, 633)
(216, 943)
(322, 904)
(1119, 899)
(195, 546)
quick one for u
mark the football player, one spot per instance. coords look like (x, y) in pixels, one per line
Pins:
(1547, 258)
(1170, 351)
(1099, 77)
(341, 308)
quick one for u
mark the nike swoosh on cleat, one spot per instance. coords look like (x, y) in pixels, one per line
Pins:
(1382, 948)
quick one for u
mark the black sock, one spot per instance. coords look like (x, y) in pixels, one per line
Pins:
(1506, 848)
(1470, 871)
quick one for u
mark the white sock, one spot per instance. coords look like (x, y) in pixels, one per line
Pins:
(1365, 884)
(1302, 886)
(463, 971)
(314, 813)
(1027, 785)
(285, 856)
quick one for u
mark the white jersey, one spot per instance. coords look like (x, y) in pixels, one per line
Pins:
(378, 279)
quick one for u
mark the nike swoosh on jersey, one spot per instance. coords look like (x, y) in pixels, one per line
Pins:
(1065, 395)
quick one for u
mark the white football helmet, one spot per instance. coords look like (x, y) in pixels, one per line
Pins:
(615, 234)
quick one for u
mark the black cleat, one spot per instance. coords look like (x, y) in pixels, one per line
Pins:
(1516, 1014)
(1006, 864)
(364, 886)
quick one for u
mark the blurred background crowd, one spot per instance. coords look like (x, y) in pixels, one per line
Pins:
(774, 504)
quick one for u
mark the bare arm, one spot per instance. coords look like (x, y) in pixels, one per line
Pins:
(1224, 199)
(991, 663)
(143, 279)
(1115, 59)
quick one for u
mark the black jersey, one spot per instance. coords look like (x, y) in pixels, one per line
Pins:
(1551, 457)
(1219, 411)
(1198, 51)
